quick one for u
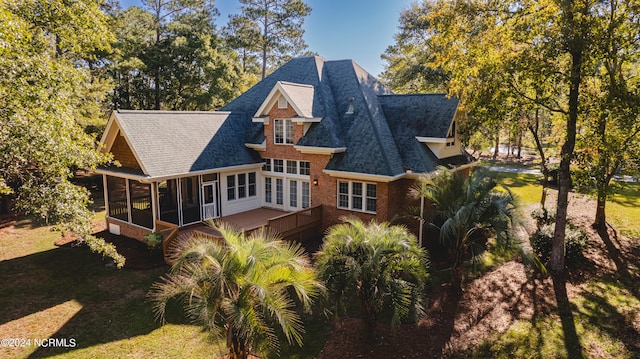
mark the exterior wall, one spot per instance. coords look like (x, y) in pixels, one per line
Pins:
(123, 153)
(278, 150)
(238, 205)
(127, 229)
(389, 196)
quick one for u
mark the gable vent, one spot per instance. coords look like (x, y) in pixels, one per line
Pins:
(282, 102)
(350, 109)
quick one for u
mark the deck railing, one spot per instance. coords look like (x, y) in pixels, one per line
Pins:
(169, 233)
(296, 222)
(286, 225)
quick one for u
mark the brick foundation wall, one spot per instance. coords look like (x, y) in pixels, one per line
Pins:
(129, 230)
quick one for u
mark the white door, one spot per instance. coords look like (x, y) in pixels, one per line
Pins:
(210, 200)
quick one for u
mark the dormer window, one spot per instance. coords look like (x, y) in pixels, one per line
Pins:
(283, 132)
(282, 102)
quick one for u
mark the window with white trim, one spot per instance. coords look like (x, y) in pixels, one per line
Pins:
(305, 168)
(357, 196)
(241, 185)
(268, 190)
(283, 132)
(287, 183)
(278, 166)
(292, 167)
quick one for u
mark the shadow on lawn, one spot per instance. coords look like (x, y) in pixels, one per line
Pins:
(113, 301)
(571, 338)
(612, 243)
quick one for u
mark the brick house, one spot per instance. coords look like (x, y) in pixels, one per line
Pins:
(313, 134)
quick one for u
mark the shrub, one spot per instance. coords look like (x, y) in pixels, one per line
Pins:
(575, 243)
(543, 216)
(153, 239)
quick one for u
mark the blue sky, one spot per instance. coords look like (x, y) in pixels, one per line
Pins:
(340, 29)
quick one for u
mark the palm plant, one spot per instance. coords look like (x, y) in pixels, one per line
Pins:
(467, 212)
(380, 264)
(241, 288)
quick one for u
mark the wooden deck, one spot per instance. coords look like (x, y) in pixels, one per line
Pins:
(245, 221)
(284, 223)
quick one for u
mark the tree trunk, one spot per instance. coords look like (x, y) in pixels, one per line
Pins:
(576, 48)
(601, 219)
(457, 274)
(543, 159)
(495, 151)
(369, 314)
(237, 347)
(265, 34)
(519, 155)
(602, 175)
(157, 72)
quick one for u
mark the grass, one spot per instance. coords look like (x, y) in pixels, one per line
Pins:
(623, 209)
(70, 293)
(524, 186)
(601, 313)
(604, 311)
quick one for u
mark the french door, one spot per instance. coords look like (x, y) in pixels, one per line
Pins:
(290, 194)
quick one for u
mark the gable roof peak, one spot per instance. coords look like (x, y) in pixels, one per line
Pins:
(299, 96)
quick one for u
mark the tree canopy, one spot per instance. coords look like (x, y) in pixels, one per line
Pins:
(46, 91)
(168, 55)
(510, 61)
(270, 30)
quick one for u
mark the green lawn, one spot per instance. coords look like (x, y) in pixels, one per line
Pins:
(524, 186)
(623, 208)
(70, 293)
(603, 314)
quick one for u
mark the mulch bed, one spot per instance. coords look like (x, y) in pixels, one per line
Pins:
(489, 305)
(137, 254)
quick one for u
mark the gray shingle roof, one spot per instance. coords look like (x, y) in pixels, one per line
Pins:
(170, 142)
(379, 135)
(383, 126)
(428, 115)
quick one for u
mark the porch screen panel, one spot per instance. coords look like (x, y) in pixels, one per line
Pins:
(141, 212)
(168, 199)
(117, 197)
(190, 199)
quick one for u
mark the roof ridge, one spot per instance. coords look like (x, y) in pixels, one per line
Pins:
(417, 94)
(296, 84)
(172, 112)
(375, 124)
